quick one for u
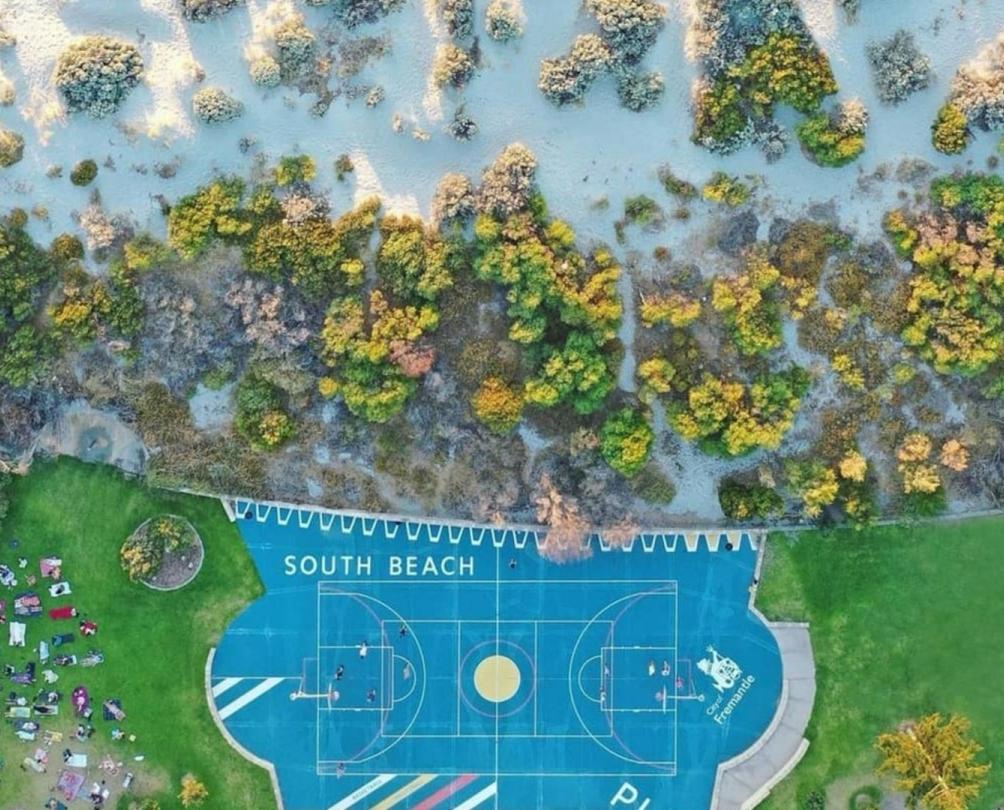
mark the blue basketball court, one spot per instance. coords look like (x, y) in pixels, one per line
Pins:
(408, 665)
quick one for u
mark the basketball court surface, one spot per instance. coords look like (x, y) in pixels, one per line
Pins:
(398, 664)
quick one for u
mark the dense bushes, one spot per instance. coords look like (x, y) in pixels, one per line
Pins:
(626, 441)
(502, 21)
(835, 139)
(357, 12)
(786, 69)
(266, 71)
(261, 417)
(498, 404)
(955, 307)
(898, 66)
(211, 212)
(950, 130)
(628, 28)
(976, 100)
(84, 172)
(214, 106)
(202, 10)
(459, 18)
(95, 74)
(453, 67)
(415, 262)
(296, 48)
(743, 501)
(25, 281)
(508, 183)
(11, 148)
(453, 200)
(731, 418)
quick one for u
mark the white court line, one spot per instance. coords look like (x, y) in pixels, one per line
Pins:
(249, 697)
(224, 685)
(361, 793)
(478, 798)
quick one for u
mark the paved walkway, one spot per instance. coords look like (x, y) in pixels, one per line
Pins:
(746, 780)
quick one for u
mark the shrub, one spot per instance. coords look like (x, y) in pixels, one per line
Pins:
(723, 188)
(626, 441)
(898, 66)
(296, 46)
(7, 92)
(295, 169)
(414, 261)
(212, 212)
(459, 18)
(193, 792)
(835, 140)
(260, 416)
(567, 79)
(816, 800)
(343, 166)
(502, 21)
(141, 555)
(84, 172)
(66, 247)
(171, 532)
(508, 184)
(676, 186)
(95, 74)
(453, 66)
(202, 10)
(747, 501)
(11, 148)
(453, 200)
(214, 106)
(265, 71)
(978, 88)
(639, 91)
(652, 485)
(498, 405)
(950, 131)
(357, 12)
(629, 27)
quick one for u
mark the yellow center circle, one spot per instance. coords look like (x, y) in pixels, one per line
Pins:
(497, 678)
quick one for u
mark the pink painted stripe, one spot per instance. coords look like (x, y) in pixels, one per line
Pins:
(444, 793)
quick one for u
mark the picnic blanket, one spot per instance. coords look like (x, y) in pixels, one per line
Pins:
(60, 589)
(112, 710)
(69, 784)
(17, 630)
(7, 577)
(81, 699)
(27, 604)
(50, 566)
(76, 761)
(65, 612)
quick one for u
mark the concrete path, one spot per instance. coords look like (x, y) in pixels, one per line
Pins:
(746, 780)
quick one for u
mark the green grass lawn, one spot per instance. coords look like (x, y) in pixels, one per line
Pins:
(904, 621)
(155, 643)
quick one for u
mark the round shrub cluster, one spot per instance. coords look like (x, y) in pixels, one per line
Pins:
(508, 183)
(265, 71)
(202, 10)
(296, 46)
(11, 148)
(453, 200)
(837, 139)
(95, 74)
(356, 12)
(66, 246)
(976, 100)
(214, 106)
(502, 21)
(950, 131)
(566, 80)
(459, 18)
(84, 172)
(454, 66)
(7, 93)
(629, 27)
(638, 91)
(899, 67)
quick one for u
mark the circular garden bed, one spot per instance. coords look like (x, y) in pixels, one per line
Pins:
(165, 553)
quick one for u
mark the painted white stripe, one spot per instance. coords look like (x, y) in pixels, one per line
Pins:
(224, 685)
(479, 798)
(249, 697)
(359, 794)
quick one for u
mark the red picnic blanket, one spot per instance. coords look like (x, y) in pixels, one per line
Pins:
(66, 612)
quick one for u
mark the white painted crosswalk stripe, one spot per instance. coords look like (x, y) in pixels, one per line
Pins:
(361, 793)
(224, 685)
(479, 798)
(249, 697)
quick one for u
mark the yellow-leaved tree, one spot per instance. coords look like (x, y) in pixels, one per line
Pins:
(934, 762)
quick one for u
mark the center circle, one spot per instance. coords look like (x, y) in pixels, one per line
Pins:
(497, 678)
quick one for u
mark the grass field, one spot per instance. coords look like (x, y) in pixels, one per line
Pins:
(155, 643)
(904, 621)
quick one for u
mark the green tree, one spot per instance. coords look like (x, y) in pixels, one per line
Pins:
(626, 441)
